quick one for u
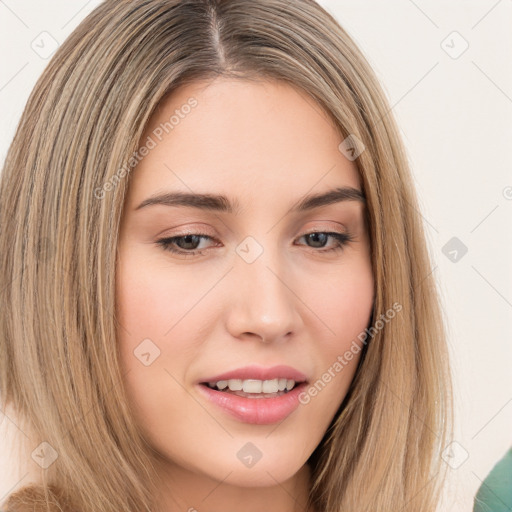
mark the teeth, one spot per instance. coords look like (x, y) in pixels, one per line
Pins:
(235, 384)
(270, 386)
(254, 385)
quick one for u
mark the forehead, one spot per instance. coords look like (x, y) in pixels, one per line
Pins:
(226, 134)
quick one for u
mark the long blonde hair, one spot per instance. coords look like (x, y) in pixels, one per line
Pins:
(84, 119)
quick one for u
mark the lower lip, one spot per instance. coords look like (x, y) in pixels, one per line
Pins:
(258, 411)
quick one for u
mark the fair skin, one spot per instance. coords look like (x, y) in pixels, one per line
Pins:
(266, 146)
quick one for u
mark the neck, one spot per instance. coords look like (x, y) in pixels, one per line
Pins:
(183, 490)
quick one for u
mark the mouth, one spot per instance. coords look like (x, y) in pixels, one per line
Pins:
(253, 401)
(255, 394)
(254, 388)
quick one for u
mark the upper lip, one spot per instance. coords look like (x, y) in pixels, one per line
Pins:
(259, 373)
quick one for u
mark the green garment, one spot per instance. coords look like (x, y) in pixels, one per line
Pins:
(495, 493)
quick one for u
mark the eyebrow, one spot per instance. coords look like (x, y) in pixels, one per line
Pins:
(221, 203)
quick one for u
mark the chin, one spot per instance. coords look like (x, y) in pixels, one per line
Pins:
(260, 475)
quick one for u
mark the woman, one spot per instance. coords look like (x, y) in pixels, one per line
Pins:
(296, 360)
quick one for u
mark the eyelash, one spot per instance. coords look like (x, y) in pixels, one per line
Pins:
(342, 239)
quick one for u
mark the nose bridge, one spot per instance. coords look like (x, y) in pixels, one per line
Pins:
(262, 302)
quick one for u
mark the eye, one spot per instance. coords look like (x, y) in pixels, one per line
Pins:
(187, 245)
(318, 238)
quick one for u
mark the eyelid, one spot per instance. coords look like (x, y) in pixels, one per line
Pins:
(199, 231)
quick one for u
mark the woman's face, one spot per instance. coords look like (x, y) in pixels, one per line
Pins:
(248, 289)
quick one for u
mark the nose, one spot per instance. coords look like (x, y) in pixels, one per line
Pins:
(262, 302)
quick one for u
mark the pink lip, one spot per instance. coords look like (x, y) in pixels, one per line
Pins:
(258, 411)
(259, 373)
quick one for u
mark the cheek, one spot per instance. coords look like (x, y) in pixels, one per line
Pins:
(152, 298)
(343, 303)
(143, 299)
(157, 339)
(147, 309)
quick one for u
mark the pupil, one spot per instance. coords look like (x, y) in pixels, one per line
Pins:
(187, 239)
(313, 237)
